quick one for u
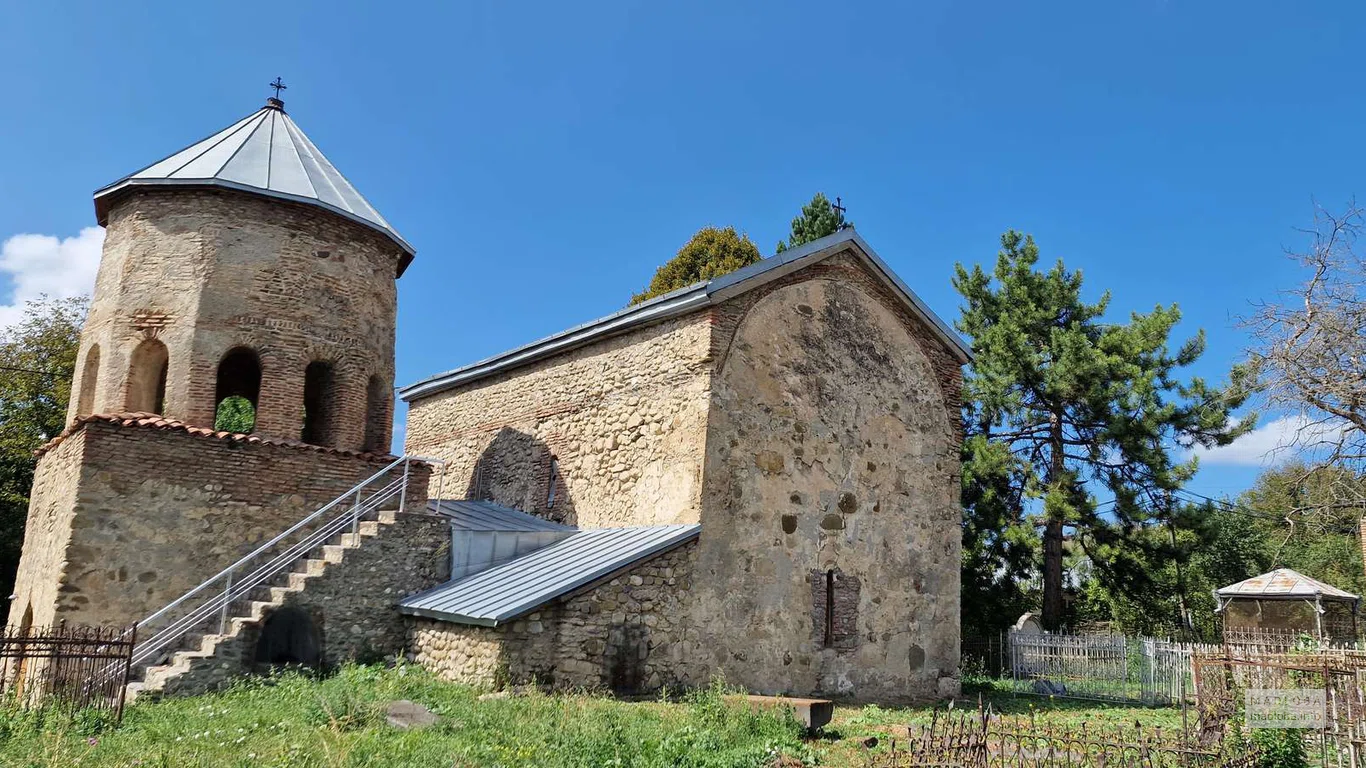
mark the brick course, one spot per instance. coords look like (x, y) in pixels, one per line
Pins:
(206, 271)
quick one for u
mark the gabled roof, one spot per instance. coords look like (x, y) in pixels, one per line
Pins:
(1283, 583)
(466, 515)
(522, 585)
(694, 297)
(265, 153)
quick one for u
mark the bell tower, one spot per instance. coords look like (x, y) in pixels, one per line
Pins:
(245, 269)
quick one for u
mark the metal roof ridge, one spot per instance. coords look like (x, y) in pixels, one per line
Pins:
(683, 301)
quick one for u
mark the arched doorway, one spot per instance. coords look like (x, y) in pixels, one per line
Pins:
(290, 637)
(238, 391)
(146, 390)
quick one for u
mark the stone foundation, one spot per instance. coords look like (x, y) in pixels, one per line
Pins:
(626, 635)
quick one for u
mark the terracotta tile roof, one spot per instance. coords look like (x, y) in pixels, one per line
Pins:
(154, 421)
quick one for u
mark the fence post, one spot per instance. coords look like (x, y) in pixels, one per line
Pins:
(403, 489)
(227, 600)
(355, 512)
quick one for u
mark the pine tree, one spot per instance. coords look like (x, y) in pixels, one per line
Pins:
(818, 219)
(1082, 407)
(712, 252)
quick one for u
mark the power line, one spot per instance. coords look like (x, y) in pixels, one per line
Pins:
(54, 374)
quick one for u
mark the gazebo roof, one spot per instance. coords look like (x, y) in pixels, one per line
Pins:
(1284, 584)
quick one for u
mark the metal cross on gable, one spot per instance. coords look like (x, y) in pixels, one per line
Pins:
(839, 209)
(278, 85)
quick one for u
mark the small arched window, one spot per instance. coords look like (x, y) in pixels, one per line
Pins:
(320, 399)
(90, 372)
(554, 479)
(376, 415)
(147, 378)
(238, 391)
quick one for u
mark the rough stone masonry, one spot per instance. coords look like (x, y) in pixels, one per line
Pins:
(810, 425)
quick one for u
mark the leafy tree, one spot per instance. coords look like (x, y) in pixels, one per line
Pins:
(818, 219)
(37, 360)
(712, 252)
(1323, 541)
(1079, 405)
(235, 414)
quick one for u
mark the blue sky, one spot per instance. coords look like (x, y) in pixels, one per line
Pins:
(545, 158)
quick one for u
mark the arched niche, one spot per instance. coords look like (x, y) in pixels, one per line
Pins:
(146, 387)
(237, 393)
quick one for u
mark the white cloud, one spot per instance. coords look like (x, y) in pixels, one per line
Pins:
(1271, 443)
(35, 265)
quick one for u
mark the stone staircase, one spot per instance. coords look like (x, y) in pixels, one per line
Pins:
(205, 659)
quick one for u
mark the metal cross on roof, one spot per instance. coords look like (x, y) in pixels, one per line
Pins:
(278, 85)
(839, 210)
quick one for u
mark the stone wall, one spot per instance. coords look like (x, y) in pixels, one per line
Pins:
(351, 609)
(203, 272)
(618, 426)
(47, 534)
(832, 448)
(627, 634)
(136, 515)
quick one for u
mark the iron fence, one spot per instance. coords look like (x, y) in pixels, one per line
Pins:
(66, 665)
(983, 739)
(1104, 667)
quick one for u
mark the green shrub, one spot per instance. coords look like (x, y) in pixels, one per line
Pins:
(1280, 748)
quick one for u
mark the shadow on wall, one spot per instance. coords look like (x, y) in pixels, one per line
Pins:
(521, 471)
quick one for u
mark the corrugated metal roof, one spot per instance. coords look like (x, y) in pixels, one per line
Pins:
(506, 591)
(691, 299)
(264, 152)
(467, 515)
(1284, 583)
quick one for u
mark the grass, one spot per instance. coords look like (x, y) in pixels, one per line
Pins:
(293, 720)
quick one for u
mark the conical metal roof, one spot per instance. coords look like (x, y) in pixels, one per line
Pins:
(265, 153)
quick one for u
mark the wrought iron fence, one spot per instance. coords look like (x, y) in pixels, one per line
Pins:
(1104, 667)
(66, 665)
(1221, 681)
(983, 739)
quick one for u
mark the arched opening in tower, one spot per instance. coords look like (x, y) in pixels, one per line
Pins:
(90, 373)
(376, 415)
(290, 637)
(320, 398)
(147, 378)
(238, 391)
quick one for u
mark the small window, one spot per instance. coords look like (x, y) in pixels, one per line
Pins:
(554, 473)
(323, 254)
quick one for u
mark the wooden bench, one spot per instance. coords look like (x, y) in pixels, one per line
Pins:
(813, 713)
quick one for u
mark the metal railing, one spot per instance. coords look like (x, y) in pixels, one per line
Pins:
(161, 633)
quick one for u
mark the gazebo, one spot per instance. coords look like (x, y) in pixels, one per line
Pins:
(1287, 602)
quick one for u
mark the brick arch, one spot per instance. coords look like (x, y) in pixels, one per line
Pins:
(145, 388)
(90, 375)
(378, 413)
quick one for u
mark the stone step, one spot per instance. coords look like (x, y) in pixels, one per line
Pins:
(199, 647)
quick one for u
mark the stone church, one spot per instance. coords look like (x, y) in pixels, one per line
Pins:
(754, 477)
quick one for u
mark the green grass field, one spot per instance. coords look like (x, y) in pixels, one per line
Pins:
(338, 721)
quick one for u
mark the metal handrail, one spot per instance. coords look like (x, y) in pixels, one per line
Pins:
(235, 589)
(293, 528)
